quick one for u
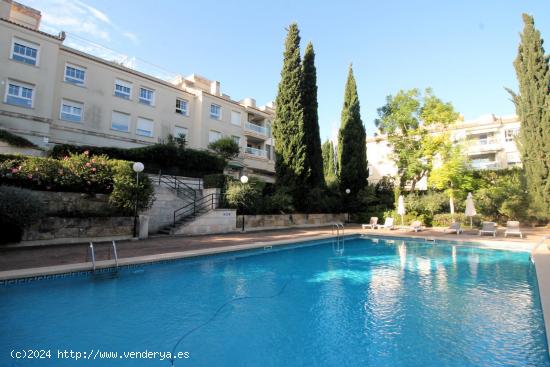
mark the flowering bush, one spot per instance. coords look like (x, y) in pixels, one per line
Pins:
(78, 173)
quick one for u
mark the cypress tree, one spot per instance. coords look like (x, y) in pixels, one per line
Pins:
(329, 167)
(352, 149)
(311, 119)
(533, 109)
(291, 168)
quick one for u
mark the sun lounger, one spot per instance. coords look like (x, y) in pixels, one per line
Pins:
(488, 228)
(416, 226)
(512, 227)
(454, 227)
(372, 223)
(388, 224)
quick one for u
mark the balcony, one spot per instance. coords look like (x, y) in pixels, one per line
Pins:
(255, 128)
(484, 165)
(256, 152)
(484, 146)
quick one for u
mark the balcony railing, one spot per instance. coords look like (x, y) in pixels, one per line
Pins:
(256, 128)
(257, 152)
(485, 165)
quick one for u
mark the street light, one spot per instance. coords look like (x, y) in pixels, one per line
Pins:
(137, 167)
(244, 180)
(347, 193)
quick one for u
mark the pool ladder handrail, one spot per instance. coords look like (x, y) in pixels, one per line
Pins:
(338, 245)
(541, 242)
(112, 252)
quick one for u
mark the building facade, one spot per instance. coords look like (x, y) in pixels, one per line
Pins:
(54, 94)
(488, 141)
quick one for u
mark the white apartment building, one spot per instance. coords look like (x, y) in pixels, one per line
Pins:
(488, 141)
(54, 94)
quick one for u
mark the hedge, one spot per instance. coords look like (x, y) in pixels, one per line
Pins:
(15, 140)
(79, 173)
(19, 208)
(169, 159)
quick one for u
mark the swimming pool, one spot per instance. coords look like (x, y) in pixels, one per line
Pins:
(379, 303)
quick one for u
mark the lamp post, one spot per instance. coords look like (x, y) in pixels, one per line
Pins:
(244, 180)
(347, 199)
(137, 167)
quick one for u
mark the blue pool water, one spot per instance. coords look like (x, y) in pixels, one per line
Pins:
(380, 303)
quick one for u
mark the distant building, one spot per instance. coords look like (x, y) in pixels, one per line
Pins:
(54, 94)
(489, 143)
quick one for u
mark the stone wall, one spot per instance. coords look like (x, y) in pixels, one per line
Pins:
(70, 203)
(288, 220)
(215, 221)
(51, 228)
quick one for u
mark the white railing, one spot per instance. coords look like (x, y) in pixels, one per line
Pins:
(257, 152)
(484, 165)
(256, 128)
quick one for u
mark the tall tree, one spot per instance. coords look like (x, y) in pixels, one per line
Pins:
(329, 164)
(533, 109)
(406, 119)
(352, 148)
(288, 126)
(311, 119)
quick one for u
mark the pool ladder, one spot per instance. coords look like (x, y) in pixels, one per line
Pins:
(532, 257)
(112, 252)
(338, 242)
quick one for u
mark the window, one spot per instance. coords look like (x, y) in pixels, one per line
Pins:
(25, 52)
(214, 136)
(182, 107)
(123, 89)
(120, 121)
(19, 94)
(215, 112)
(180, 131)
(146, 96)
(144, 127)
(268, 150)
(236, 139)
(71, 111)
(74, 74)
(510, 134)
(236, 118)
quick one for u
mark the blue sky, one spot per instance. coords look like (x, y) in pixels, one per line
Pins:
(464, 50)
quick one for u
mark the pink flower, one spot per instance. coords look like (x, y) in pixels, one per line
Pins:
(88, 164)
(29, 176)
(14, 170)
(93, 160)
(87, 152)
(94, 169)
(65, 158)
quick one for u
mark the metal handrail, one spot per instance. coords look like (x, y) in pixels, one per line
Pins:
(340, 240)
(91, 249)
(113, 248)
(198, 204)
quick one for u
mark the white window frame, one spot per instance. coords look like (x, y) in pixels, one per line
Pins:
(186, 134)
(144, 132)
(181, 111)
(237, 139)
(233, 121)
(20, 94)
(210, 134)
(75, 81)
(29, 44)
(73, 105)
(214, 116)
(126, 85)
(120, 130)
(148, 102)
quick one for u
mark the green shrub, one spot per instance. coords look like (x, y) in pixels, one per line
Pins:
(15, 140)
(167, 158)
(19, 208)
(79, 173)
(445, 220)
(218, 181)
(242, 196)
(226, 148)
